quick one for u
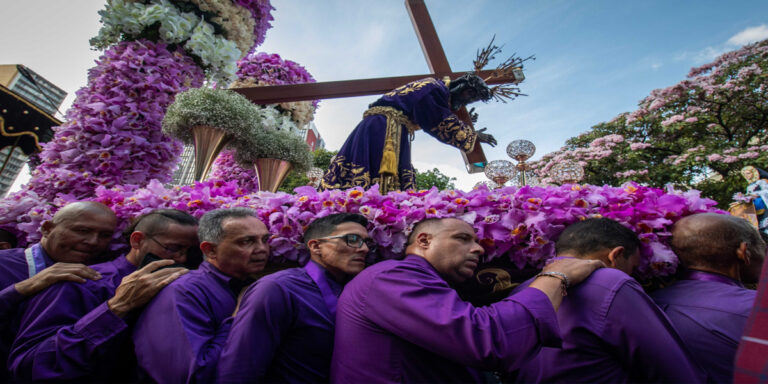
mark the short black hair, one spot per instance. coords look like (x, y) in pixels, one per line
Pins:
(418, 227)
(324, 226)
(591, 235)
(157, 221)
(8, 237)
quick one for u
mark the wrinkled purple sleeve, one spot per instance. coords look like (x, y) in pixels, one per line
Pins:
(10, 299)
(257, 330)
(64, 328)
(433, 113)
(422, 309)
(644, 336)
(176, 340)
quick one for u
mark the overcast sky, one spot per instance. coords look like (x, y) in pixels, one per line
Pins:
(594, 59)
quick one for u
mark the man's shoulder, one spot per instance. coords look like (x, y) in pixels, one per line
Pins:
(706, 294)
(13, 266)
(608, 278)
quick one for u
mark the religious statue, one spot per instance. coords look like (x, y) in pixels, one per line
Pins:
(379, 149)
(757, 192)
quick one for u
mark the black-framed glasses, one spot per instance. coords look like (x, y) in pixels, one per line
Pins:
(172, 249)
(354, 240)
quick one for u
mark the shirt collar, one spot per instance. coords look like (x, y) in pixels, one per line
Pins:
(39, 248)
(693, 274)
(335, 286)
(236, 285)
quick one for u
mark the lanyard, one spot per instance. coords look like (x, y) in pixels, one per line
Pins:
(707, 276)
(317, 274)
(35, 259)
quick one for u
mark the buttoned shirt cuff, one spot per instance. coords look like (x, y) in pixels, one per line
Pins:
(537, 303)
(100, 325)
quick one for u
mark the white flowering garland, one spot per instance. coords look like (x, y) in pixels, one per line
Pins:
(130, 20)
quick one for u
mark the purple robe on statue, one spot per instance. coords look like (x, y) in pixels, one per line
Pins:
(68, 333)
(612, 333)
(398, 321)
(709, 312)
(179, 336)
(420, 104)
(16, 264)
(283, 332)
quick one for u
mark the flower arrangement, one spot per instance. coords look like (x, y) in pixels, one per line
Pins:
(271, 144)
(226, 168)
(192, 25)
(222, 109)
(112, 135)
(259, 69)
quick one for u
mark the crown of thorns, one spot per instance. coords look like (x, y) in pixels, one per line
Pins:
(507, 68)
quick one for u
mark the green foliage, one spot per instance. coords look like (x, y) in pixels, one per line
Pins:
(218, 108)
(695, 134)
(434, 178)
(271, 144)
(321, 159)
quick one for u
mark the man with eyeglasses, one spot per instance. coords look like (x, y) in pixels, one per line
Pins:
(77, 331)
(179, 336)
(283, 331)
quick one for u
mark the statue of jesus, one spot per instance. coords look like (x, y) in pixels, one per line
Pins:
(378, 151)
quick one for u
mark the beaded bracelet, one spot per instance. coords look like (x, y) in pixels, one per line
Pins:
(560, 276)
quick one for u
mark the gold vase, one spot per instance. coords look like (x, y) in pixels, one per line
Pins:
(208, 142)
(272, 173)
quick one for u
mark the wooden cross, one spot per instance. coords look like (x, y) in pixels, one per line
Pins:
(436, 60)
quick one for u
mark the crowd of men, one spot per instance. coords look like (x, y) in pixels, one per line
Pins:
(153, 315)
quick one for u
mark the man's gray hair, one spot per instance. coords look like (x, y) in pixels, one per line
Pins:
(210, 229)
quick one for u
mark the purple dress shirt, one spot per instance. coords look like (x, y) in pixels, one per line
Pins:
(16, 264)
(398, 321)
(612, 333)
(179, 336)
(283, 331)
(69, 333)
(709, 312)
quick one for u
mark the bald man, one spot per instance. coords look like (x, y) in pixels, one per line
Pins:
(76, 235)
(401, 320)
(79, 331)
(709, 306)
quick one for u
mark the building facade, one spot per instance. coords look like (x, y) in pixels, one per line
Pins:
(38, 91)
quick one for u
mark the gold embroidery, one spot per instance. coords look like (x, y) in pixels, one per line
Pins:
(411, 87)
(453, 132)
(343, 174)
(388, 177)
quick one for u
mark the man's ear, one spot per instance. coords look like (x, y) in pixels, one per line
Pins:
(423, 239)
(614, 254)
(136, 238)
(742, 253)
(47, 227)
(313, 246)
(209, 249)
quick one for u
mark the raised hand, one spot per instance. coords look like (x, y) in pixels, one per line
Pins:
(54, 274)
(138, 288)
(485, 137)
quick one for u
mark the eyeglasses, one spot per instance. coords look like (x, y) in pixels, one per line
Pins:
(173, 249)
(354, 240)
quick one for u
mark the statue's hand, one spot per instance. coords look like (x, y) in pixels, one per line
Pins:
(485, 138)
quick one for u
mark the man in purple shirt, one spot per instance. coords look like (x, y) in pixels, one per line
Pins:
(75, 331)
(78, 233)
(180, 334)
(612, 331)
(709, 307)
(283, 331)
(401, 321)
